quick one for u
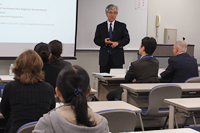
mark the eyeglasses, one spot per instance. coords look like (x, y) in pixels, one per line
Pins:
(110, 13)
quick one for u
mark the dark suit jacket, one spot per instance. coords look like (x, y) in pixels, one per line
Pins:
(144, 70)
(120, 35)
(180, 68)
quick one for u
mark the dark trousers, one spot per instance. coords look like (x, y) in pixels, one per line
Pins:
(106, 69)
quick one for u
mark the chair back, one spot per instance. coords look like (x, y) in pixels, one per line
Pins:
(27, 128)
(120, 120)
(157, 107)
(193, 80)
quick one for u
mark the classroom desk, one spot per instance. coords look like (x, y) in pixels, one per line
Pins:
(138, 88)
(104, 85)
(106, 105)
(180, 130)
(187, 104)
(6, 78)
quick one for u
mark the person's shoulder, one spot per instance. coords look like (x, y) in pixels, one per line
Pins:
(65, 63)
(54, 67)
(156, 60)
(120, 23)
(135, 62)
(94, 116)
(46, 84)
(10, 85)
(43, 124)
(102, 24)
(187, 55)
(173, 58)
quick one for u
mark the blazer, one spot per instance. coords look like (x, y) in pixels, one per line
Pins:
(180, 68)
(120, 35)
(144, 70)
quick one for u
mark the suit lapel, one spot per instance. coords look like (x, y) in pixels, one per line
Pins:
(115, 29)
(106, 29)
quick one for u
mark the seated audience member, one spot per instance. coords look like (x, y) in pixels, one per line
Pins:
(28, 97)
(56, 50)
(75, 115)
(144, 70)
(181, 66)
(50, 71)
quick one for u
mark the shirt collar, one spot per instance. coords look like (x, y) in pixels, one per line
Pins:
(146, 57)
(110, 22)
(181, 52)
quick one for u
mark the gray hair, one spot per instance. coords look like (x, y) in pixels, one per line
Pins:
(181, 45)
(110, 7)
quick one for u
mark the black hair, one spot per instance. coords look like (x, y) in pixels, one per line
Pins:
(43, 50)
(150, 45)
(56, 50)
(70, 79)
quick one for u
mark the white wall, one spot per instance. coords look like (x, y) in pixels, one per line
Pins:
(182, 15)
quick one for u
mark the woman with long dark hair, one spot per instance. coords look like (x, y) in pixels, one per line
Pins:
(50, 71)
(75, 115)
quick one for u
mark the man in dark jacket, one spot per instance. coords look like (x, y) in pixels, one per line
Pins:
(181, 66)
(144, 70)
(111, 36)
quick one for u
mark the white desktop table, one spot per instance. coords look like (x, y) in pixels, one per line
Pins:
(146, 87)
(180, 130)
(6, 78)
(107, 105)
(187, 104)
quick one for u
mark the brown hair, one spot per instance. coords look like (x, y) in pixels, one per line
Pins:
(56, 50)
(28, 67)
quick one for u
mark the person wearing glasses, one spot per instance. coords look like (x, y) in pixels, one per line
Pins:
(111, 36)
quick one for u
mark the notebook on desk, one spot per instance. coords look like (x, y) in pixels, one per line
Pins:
(104, 74)
(118, 72)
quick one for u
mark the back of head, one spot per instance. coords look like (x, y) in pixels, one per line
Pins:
(73, 83)
(182, 46)
(56, 50)
(28, 67)
(150, 45)
(43, 50)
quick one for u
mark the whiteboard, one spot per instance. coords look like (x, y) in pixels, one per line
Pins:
(92, 12)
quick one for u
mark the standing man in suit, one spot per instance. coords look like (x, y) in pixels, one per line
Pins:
(111, 36)
(144, 70)
(181, 66)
